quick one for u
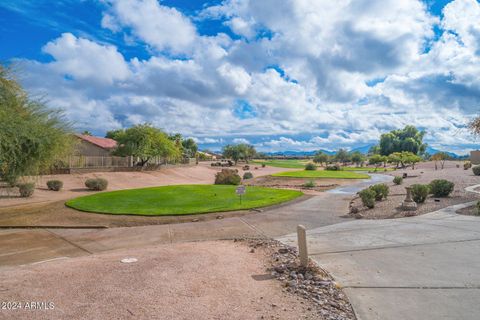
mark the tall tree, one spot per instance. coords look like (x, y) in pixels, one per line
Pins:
(239, 152)
(190, 147)
(32, 136)
(440, 157)
(145, 142)
(358, 158)
(342, 156)
(408, 139)
(321, 157)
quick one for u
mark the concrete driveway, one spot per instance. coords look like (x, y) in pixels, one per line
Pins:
(426, 267)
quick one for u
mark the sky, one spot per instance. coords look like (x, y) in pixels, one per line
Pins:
(296, 75)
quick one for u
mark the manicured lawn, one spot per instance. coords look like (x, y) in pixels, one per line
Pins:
(179, 200)
(300, 164)
(380, 169)
(322, 174)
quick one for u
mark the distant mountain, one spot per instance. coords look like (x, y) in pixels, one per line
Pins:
(298, 153)
(363, 149)
(432, 151)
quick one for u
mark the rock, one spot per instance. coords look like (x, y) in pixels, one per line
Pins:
(292, 284)
(300, 276)
(283, 250)
(252, 250)
(195, 220)
(220, 217)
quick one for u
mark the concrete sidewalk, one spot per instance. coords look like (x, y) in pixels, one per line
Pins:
(425, 267)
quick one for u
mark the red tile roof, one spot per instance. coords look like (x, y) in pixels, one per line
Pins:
(104, 143)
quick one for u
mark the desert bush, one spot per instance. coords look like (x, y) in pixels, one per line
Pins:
(228, 176)
(26, 189)
(476, 170)
(246, 167)
(310, 166)
(441, 187)
(310, 184)
(368, 197)
(97, 184)
(398, 180)
(420, 192)
(54, 185)
(381, 191)
(467, 165)
(247, 175)
(333, 167)
(263, 165)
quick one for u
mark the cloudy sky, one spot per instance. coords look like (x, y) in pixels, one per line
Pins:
(282, 75)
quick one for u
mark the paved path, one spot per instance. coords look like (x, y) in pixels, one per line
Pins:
(425, 267)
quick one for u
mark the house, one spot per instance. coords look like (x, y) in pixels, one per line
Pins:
(94, 146)
(475, 157)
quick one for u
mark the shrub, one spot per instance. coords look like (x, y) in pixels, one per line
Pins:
(246, 167)
(97, 184)
(467, 165)
(247, 175)
(310, 167)
(381, 191)
(420, 192)
(333, 167)
(263, 165)
(54, 185)
(26, 189)
(398, 180)
(228, 176)
(368, 197)
(441, 187)
(310, 184)
(476, 170)
(478, 208)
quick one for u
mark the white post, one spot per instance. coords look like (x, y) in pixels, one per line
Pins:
(302, 245)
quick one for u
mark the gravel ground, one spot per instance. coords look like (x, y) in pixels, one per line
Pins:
(423, 173)
(469, 211)
(204, 280)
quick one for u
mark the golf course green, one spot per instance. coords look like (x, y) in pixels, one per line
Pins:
(326, 174)
(180, 200)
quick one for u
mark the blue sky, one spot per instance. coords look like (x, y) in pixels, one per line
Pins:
(291, 75)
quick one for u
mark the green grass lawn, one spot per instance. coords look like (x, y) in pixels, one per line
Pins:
(295, 164)
(322, 174)
(179, 200)
(380, 169)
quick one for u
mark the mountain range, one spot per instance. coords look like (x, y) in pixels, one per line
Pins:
(362, 149)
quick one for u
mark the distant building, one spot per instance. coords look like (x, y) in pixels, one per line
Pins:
(94, 146)
(475, 157)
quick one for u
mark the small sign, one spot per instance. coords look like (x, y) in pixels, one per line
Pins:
(240, 190)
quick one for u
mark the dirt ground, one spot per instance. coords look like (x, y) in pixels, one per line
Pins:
(74, 184)
(204, 280)
(469, 211)
(423, 173)
(321, 185)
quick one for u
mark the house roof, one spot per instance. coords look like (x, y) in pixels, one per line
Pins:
(104, 143)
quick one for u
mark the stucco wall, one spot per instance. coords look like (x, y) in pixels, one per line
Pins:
(475, 157)
(84, 148)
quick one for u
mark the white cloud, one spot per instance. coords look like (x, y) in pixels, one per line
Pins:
(160, 26)
(86, 60)
(326, 51)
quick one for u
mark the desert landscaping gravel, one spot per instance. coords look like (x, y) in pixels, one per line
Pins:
(202, 280)
(424, 173)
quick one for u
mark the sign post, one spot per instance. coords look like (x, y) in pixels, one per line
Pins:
(240, 191)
